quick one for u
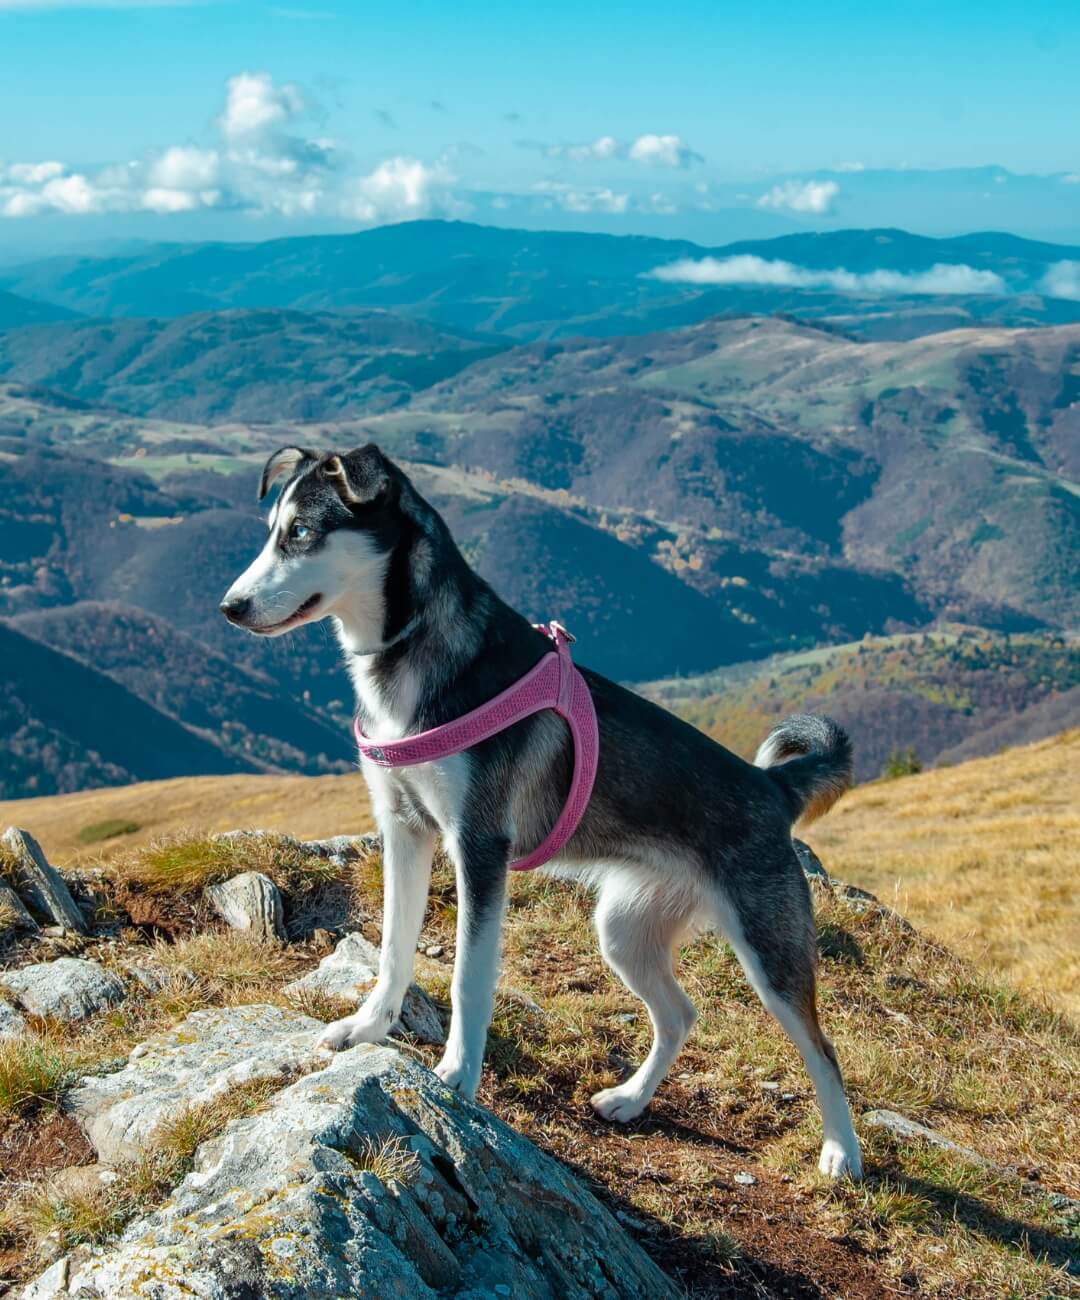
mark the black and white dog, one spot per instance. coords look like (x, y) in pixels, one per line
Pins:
(680, 835)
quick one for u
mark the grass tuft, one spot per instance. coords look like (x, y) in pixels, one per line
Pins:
(33, 1074)
(391, 1160)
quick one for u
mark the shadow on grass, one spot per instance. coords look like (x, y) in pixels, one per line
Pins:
(1059, 1249)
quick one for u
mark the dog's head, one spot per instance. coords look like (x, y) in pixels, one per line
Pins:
(333, 528)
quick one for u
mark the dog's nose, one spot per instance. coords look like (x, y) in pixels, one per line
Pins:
(235, 608)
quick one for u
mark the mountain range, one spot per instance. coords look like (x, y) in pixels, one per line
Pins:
(688, 497)
(545, 284)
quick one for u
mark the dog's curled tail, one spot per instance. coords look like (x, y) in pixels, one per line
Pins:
(809, 757)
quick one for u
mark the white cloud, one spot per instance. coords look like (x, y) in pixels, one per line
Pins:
(1071, 178)
(399, 189)
(649, 150)
(943, 278)
(574, 199)
(185, 168)
(850, 167)
(662, 151)
(34, 173)
(801, 196)
(253, 104)
(1062, 280)
(263, 161)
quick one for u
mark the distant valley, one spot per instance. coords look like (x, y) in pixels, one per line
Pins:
(710, 493)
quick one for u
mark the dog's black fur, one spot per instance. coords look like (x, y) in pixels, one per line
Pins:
(667, 799)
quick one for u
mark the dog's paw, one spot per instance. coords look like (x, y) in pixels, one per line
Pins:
(618, 1104)
(838, 1162)
(350, 1031)
(457, 1074)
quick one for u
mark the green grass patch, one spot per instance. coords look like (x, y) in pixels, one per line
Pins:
(107, 830)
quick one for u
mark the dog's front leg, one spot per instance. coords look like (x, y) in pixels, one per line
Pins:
(480, 861)
(407, 855)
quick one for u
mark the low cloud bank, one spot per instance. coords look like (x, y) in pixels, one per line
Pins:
(944, 278)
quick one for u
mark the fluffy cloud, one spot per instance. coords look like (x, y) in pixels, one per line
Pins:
(399, 189)
(34, 173)
(185, 168)
(815, 197)
(262, 161)
(662, 151)
(1062, 280)
(574, 199)
(648, 150)
(944, 278)
(253, 105)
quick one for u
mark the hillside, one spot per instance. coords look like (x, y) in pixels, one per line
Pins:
(947, 695)
(240, 365)
(544, 284)
(244, 711)
(716, 1182)
(67, 726)
(16, 311)
(984, 856)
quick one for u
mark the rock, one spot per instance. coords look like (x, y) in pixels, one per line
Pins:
(356, 961)
(902, 1127)
(367, 1179)
(69, 988)
(809, 860)
(435, 950)
(343, 848)
(209, 1053)
(13, 915)
(251, 902)
(12, 1025)
(42, 885)
(744, 1179)
(155, 975)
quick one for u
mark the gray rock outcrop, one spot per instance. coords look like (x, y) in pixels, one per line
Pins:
(356, 961)
(251, 902)
(204, 1056)
(69, 988)
(39, 883)
(13, 915)
(12, 1025)
(369, 1178)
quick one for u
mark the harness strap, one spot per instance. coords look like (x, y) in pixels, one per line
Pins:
(553, 683)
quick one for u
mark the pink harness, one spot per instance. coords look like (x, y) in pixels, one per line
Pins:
(554, 683)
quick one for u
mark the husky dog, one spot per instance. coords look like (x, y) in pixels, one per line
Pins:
(680, 835)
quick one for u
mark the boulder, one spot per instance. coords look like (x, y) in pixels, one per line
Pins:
(12, 1025)
(39, 883)
(355, 961)
(69, 988)
(369, 1178)
(809, 860)
(249, 901)
(13, 915)
(209, 1053)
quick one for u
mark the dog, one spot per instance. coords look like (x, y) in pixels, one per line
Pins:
(679, 837)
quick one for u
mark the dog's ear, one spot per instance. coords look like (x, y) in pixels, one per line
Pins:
(361, 477)
(286, 460)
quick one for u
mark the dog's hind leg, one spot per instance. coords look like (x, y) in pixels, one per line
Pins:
(480, 860)
(407, 857)
(639, 928)
(775, 941)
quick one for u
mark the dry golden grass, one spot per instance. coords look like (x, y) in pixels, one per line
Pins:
(309, 807)
(917, 1029)
(985, 856)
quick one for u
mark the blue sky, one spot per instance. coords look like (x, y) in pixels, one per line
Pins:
(682, 118)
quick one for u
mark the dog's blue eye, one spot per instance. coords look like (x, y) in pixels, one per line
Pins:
(299, 532)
